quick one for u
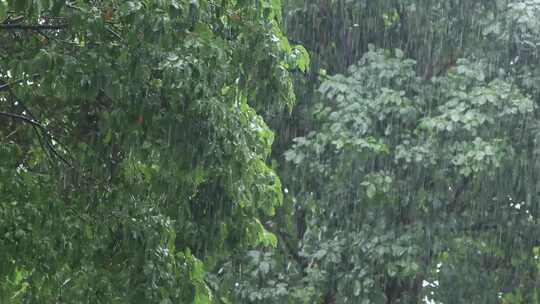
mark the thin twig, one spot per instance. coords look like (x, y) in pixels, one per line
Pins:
(11, 134)
(7, 86)
(115, 34)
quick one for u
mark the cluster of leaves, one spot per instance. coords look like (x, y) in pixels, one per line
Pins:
(148, 168)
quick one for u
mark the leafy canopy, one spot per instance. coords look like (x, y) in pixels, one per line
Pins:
(147, 168)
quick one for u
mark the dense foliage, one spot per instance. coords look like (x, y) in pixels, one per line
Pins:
(412, 177)
(136, 162)
(132, 160)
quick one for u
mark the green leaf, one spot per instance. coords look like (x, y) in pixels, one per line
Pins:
(265, 237)
(202, 295)
(301, 56)
(371, 191)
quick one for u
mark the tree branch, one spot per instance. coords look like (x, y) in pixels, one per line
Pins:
(33, 27)
(7, 86)
(23, 118)
(42, 129)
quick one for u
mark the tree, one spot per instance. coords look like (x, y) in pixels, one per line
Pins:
(133, 162)
(411, 177)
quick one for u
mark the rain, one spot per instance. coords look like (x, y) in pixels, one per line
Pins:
(272, 151)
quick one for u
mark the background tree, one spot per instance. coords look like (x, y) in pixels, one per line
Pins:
(412, 175)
